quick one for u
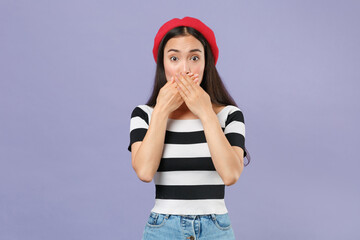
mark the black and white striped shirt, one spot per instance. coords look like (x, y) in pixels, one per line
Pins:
(186, 181)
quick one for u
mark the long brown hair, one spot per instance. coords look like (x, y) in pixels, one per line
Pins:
(211, 81)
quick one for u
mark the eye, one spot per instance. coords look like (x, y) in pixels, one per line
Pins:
(196, 57)
(172, 58)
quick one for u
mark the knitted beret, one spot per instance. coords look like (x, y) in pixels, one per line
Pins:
(189, 22)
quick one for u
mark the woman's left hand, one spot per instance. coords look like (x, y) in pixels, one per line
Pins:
(196, 99)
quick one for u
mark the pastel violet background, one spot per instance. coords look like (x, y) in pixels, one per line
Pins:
(71, 72)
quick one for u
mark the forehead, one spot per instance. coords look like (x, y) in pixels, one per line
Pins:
(184, 43)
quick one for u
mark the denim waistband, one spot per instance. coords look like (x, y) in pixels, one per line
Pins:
(212, 215)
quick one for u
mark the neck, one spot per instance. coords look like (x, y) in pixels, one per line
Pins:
(183, 108)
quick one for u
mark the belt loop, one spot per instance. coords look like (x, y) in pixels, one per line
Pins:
(213, 216)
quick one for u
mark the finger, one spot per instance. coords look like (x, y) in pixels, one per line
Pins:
(190, 74)
(186, 85)
(186, 81)
(166, 85)
(190, 81)
(171, 81)
(181, 84)
(196, 81)
(193, 75)
(181, 92)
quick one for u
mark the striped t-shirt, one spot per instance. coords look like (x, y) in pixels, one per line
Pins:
(186, 181)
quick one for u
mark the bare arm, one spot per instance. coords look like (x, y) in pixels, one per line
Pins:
(146, 158)
(227, 159)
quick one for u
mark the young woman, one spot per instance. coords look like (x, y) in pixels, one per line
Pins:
(189, 137)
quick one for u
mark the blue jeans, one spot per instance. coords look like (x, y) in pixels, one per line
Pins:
(194, 227)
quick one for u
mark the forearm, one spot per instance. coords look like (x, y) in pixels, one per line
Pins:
(148, 156)
(224, 158)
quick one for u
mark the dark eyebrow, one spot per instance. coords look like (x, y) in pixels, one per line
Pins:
(192, 50)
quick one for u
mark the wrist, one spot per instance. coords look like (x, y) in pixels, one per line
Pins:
(160, 111)
(208, 116)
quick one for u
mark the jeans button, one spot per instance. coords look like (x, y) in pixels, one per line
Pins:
(191, 238)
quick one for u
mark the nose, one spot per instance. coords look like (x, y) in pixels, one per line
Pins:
(186, 67)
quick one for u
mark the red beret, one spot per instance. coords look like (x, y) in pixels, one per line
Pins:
(189, 22)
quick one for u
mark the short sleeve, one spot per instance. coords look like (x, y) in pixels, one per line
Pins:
(139, 124)
(235, 128)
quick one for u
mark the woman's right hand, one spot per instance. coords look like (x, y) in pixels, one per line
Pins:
(169, 98)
